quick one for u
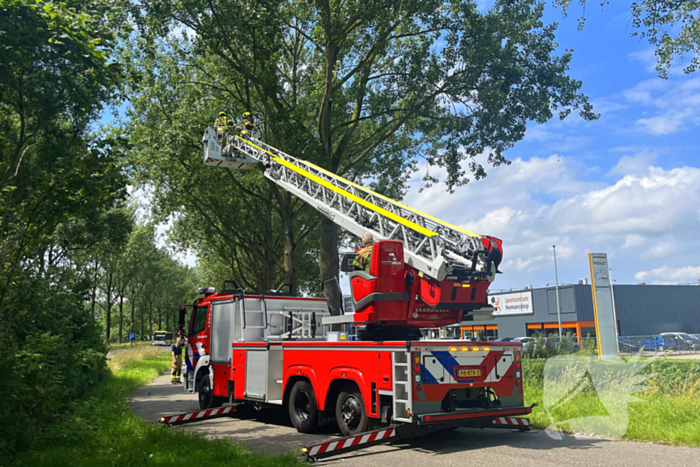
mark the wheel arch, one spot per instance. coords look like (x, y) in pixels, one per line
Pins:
(336, 386)
(342, 376)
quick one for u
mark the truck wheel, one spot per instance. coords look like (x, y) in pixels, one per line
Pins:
(207, 400)
(302, 407)
(350, 412)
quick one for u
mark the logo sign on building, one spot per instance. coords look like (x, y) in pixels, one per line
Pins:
(514, 303)
(603, 306)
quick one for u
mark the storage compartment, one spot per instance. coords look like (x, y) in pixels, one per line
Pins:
(256, 374)
(222, 321)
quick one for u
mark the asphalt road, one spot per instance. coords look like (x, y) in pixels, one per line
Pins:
(271, 432)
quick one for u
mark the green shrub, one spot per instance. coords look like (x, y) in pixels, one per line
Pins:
(51, 353)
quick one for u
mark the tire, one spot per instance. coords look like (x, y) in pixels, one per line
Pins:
(350, 412)
(302, 407)
(207, 400)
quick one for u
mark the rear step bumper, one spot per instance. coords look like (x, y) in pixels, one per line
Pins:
(501, 418)
(454, 417)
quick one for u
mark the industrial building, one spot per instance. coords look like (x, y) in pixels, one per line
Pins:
(640, 310)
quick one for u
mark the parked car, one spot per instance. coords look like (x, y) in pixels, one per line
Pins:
(577, 346)
(505, 339)
(682, 340)
(625, 345)
(526, 341)
(659, 342)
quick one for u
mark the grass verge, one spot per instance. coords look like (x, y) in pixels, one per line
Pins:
(130, 345)
(101, 430)
(669, 414)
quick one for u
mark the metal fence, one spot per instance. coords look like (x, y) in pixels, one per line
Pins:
(668, 344)
(659, 344)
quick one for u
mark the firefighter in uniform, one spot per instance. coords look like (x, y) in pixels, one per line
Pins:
(223, 125)
(176, 367)
(247, 126)
(364, 255)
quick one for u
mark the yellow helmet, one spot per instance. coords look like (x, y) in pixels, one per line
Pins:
(221, 114)
(246, 115)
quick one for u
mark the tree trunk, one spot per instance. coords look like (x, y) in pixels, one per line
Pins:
(133, 310)
(109, 317)
(121, 316)
(109, 307)
(142, 316)
(150, 318)
(329, 263)
(93, 300)
(289, 264)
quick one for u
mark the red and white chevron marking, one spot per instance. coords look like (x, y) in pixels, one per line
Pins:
(348, 442)
(512, 421)
(183, 417)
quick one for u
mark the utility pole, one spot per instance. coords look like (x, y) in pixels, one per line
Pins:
(556, 278)
(612, 290)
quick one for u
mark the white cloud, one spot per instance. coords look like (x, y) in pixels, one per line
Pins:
(636, 164)
(667, 123)
(646, 215)
(668, 275)
(675, 104)
(633, 241)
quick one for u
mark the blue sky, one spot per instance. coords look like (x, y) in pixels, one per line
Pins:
(627, 184)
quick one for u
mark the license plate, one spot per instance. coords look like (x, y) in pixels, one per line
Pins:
(470, 373)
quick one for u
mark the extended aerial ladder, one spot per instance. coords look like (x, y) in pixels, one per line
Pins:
(433, 247)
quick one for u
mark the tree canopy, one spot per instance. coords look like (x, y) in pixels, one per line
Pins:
(360, 88)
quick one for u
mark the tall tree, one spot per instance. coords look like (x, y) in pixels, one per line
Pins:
(361, 87)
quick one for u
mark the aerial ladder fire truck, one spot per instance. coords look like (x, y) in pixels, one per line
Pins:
(269, 348)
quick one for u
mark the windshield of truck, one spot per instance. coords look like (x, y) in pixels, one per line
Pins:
(159, 337)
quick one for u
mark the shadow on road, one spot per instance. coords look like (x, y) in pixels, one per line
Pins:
(466, 440)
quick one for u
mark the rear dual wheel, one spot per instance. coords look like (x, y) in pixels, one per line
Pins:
(350, 412)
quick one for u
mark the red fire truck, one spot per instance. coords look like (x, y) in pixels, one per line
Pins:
(266, 349)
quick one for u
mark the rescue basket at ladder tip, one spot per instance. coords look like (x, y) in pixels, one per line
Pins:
(434, 247)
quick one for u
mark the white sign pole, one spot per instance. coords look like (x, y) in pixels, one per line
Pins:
(601, 286)
(556, 278)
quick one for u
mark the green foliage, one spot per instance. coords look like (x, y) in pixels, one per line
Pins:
(545, 347)
(50, 354)
(671, 26)
(101, 430)
(56, 185)
(671, 395)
